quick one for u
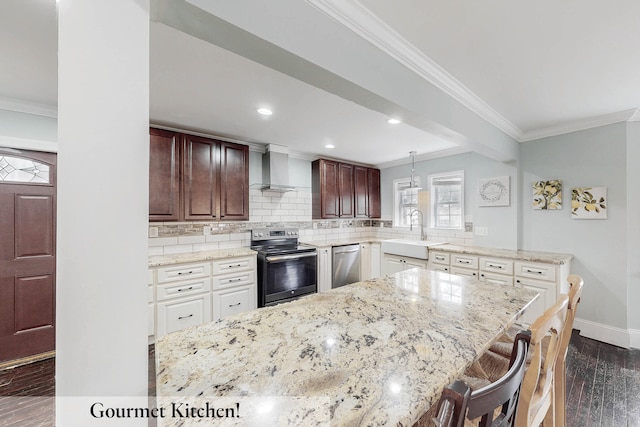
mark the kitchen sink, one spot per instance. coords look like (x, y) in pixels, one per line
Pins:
(409, 248)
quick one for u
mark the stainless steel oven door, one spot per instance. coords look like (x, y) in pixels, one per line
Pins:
(289, 275)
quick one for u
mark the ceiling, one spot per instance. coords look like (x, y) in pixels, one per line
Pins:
(333, 71)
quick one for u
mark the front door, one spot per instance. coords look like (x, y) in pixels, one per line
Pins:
(27, 253)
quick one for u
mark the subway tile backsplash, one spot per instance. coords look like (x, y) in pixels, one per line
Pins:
(271, 209)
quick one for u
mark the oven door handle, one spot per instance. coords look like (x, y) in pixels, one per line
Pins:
(279, 258)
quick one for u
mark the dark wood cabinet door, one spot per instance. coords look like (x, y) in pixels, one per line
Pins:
(234, 181)
(201, 157)
(345, 190)
(324, 189)
(361, 191)
(164, 175)
(27, 253)
(373, 198)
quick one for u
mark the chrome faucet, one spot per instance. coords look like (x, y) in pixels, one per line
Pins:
(421, 223)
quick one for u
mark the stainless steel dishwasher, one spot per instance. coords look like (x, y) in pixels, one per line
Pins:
(346, 265)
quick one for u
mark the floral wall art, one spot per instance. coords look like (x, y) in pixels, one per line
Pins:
(589, 203)
(494, 191)
(547, 194)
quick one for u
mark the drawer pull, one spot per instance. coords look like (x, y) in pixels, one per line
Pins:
(534, 271)
(440, 258)
(446, 269)
(188, 289)
(185, 317)
(464, 261)
(180, 273)
(234, 280)
(482, 275)
(234, 266)
(495, 266)
(235, 305)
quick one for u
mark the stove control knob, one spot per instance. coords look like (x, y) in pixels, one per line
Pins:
(260, 234)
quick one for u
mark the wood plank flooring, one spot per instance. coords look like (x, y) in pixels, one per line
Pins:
(603, 387)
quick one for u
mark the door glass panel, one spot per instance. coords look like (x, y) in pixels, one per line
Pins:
(16, 169)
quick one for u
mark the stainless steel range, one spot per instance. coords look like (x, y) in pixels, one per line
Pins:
(286, 269)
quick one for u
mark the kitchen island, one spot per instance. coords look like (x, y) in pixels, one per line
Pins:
(377, 352)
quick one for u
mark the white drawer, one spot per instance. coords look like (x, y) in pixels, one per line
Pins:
(233, 264)
(184, 288)
(495, 278)
(496, 265)
(237, 279)
(439, 257)
(466, 261)
(183, 271)
(183, 313)
(439, 267)
(232, 301)
(460, 271)
(536, 271)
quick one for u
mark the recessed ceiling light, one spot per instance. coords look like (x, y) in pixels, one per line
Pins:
(329, 146)
(265, 111)
(393, 121)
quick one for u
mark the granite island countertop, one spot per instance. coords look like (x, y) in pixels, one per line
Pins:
(340, 242)
(529, 256)
(377, 352)
(181, 258)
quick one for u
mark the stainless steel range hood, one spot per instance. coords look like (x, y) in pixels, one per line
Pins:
(275, 169)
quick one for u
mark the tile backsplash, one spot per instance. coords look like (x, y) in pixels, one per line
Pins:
(269, 209)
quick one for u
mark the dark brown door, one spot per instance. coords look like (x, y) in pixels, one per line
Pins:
(361, 192)
(345, 188)
(201, 178)
(164, 173)
(327, 189)
(234, 181)
(373, 182)
(27, 253)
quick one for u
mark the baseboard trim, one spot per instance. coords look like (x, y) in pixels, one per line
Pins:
(24, 360)
(609, 334)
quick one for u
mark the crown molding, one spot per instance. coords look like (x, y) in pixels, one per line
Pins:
(577, 125)
(360, 20)
(21, 106)
(28, 144)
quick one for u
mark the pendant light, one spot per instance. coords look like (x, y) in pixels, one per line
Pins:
(412, 184)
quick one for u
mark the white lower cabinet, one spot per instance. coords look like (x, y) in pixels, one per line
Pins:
(324, 269)
(177, 314)
(547, 298)
(233, 301)
(376, 250)
(190, 294)
(394, 263)
(151, 307)
(365, 261)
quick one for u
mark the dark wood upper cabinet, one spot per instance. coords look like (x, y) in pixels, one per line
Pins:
(373, 196)
(343, 190)
(200, 178)
(164, 179)
(361, 191)
(196, 178)
(234, 181)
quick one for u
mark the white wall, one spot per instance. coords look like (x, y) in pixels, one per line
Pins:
(103, 86)
(28, 131)
(633, 231)
(594, 157)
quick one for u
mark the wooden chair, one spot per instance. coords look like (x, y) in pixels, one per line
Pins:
(537, 397)
(459, 402)
(575, 291)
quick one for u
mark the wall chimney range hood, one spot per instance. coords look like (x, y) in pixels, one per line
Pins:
(275, 169)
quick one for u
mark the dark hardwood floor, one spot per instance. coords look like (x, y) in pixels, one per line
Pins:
(603, 387)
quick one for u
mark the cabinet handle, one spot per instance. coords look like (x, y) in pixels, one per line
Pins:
(185, 317)
(188, 272)
(188, 289)
(474, 274)
(235, 305)
(517, 280)
(440, 258)
(446, 269)
(464, 261)
(533, 271)
(234, 266)
(482, 275)
(495, 266)
(235, 280)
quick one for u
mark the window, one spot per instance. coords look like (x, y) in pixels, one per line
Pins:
(405, 200)
(447, 200)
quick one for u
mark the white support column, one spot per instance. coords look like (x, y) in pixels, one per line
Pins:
(103, 160)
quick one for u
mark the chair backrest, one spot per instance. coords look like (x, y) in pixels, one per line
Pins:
(537, 394)
(575, 291)
(458, 401)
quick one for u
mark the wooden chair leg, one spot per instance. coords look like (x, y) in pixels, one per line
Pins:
(560, 393)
